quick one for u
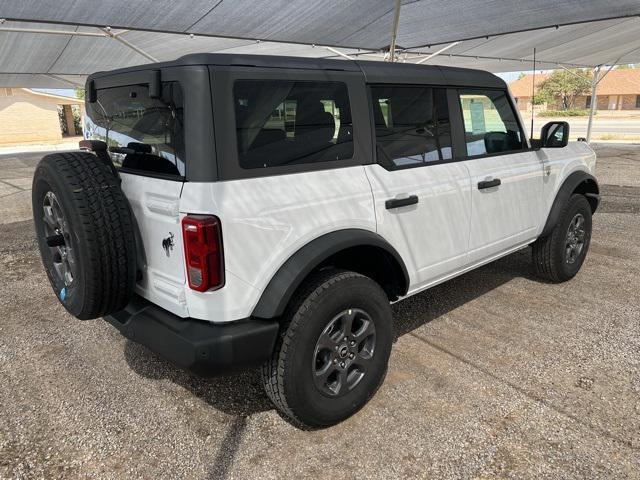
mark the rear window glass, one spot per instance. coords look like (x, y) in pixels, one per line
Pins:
(282, 123)
(144, 135)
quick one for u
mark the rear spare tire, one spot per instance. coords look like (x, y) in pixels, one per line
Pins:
(85, 233)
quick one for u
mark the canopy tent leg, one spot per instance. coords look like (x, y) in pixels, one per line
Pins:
(394, 32)
(594, 100)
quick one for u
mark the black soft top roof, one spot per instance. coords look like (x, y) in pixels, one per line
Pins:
(374, 72)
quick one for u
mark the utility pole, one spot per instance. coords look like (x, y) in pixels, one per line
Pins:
(594, 99)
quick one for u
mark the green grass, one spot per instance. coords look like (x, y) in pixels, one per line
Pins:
(576, 112)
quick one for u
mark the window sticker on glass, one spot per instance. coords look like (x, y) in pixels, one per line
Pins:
(477, 117)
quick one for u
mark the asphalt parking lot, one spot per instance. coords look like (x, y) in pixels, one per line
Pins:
(493, 374)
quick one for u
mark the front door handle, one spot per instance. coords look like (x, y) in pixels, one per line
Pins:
(489, 183)
(401, 202)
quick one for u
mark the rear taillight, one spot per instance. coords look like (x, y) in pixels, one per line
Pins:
(203, 252)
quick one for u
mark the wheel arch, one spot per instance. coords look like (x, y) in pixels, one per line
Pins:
(577, 182)
(347, 249)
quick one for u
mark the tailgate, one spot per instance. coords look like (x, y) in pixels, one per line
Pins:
(155, 205)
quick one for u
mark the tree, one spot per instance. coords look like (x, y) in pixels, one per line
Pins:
(79, 92)
(542, 97)
(567, 85)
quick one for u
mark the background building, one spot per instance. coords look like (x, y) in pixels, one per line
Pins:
(618, 90)
(27, 116)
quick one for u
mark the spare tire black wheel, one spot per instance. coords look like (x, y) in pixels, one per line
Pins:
(85, 232)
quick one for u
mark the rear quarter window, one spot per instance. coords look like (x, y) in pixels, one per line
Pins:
(144, 135)
(281, 123)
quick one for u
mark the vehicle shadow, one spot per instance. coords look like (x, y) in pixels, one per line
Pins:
(241, 394)
(420, 309)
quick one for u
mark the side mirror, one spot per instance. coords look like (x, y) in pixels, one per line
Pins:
(554, 135)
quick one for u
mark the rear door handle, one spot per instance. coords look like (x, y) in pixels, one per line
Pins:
(489, 183)
(401, 202)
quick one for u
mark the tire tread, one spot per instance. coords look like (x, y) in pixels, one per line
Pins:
(108, 234)
(303, 301)
(544, 250)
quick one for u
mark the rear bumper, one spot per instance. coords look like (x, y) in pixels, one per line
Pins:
(204, 347)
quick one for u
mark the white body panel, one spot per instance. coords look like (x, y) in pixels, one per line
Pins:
(508, 214)
(155, 205)
(454, 227)
(558, 164)
(431, 236)
(266, 220)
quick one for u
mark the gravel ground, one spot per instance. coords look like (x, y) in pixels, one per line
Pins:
(493, 374)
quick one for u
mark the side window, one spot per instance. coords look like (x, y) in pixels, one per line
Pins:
(412, 125)
(287, 122)
(490, 123)
(145, 135)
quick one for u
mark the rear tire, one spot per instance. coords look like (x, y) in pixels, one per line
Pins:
(85, 233)
(559, 256)
(318, 376)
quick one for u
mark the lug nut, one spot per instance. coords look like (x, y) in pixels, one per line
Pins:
(351, 355)
(342, 364)
(352, 343)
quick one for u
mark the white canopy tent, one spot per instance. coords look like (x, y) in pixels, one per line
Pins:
(56, 44)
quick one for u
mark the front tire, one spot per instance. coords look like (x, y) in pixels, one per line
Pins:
(333, 351)
(559, 256)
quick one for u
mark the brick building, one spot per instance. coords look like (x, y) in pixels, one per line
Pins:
(29, 116)
(618, 90)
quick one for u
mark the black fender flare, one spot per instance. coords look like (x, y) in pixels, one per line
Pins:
(291, 274)
(572, 182)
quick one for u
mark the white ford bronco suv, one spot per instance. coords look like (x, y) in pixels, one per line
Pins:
(234, 211)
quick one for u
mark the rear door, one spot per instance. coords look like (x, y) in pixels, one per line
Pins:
(506, 176)
(145, 136)
(422, 196)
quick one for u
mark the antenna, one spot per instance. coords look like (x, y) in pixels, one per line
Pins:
(533, 94)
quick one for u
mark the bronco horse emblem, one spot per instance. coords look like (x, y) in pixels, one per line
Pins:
(167, 244)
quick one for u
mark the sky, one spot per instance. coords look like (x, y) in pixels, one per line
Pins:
(510, 76)
(66, 92)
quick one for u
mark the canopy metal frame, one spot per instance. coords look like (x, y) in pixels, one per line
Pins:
(103, 32)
